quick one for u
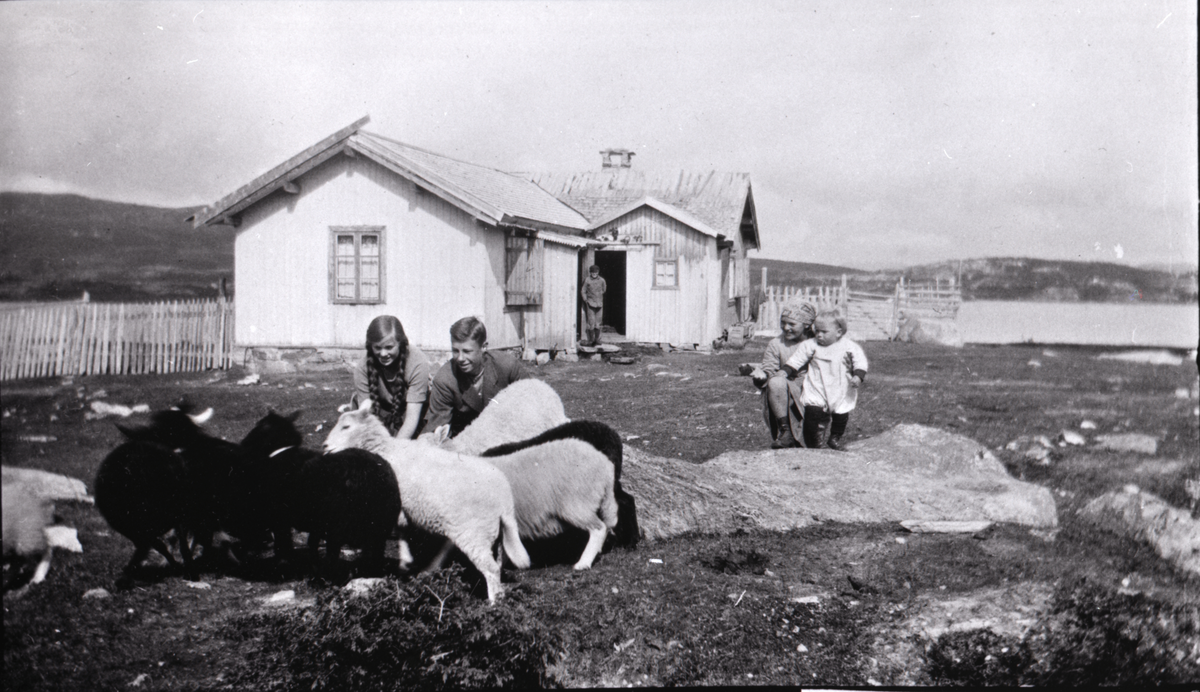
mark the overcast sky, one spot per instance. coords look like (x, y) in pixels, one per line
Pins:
(876, 134)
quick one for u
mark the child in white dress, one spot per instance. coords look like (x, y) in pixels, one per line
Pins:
(837, 367)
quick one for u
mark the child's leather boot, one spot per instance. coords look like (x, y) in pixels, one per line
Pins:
(783, 439)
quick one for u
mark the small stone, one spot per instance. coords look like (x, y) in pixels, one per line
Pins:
(98, 594)
(802, 648)
(284, 596)
(1088, 425)
(1072, 438)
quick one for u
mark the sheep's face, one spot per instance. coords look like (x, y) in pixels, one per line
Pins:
(353, 428)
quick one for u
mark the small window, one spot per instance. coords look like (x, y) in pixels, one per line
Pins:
(666, 273)
(356, 264)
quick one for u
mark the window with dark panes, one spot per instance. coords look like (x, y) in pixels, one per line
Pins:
(356, 264)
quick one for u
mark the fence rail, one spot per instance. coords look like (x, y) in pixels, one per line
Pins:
(871, 316)
(49, 339)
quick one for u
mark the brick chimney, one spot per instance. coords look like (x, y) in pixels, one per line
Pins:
(616, 158)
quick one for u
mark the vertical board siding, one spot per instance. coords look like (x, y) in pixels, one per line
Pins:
(552, 324)
(441, 264)
(687, 315)
(52, 339)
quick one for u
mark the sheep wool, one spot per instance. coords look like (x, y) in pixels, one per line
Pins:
(520, 411)
(564, 481)
(463, 498)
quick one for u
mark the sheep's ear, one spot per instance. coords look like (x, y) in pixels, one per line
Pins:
(131, 433)
(365, 405)
(293, 416)
(201, 418)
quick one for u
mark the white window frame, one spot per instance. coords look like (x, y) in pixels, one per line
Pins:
(674, 262)
(360, 263)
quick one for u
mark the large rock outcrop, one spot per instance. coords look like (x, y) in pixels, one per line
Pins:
(1173, 533)
(908, 472)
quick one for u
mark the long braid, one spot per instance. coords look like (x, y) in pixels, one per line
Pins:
(379, 329)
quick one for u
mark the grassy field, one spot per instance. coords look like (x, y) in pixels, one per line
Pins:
(827, 605)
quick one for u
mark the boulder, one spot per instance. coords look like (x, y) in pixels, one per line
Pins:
(926, 330)
(1173, 533)
(46, 485)
(910, 472)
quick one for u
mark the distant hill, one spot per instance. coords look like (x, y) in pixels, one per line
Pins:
(1002, 278)
(54, 247)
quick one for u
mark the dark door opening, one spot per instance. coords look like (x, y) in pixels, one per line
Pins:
(612, 268)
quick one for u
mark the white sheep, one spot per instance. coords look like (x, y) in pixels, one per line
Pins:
(563, 481)
(522, 410)
(29, 536)
(463, 498)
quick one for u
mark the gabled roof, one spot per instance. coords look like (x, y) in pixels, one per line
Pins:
(490, 195)
(676, 213)
(716, 204)
(718, 200)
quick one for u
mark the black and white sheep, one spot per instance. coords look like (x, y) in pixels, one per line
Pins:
(562, 482)
(349, 497)
(462, 498)
(608, 441)
(521, 410)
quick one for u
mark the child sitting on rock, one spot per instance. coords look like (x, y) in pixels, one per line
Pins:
(837, 367)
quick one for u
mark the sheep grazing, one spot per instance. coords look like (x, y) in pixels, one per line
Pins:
(349, 497)
(608, 442)
(521, 410)
(143, 491)
(565, 481)
(462, 498)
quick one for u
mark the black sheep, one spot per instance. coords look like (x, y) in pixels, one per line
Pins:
(348, 498)
(608, 442)
(219, 502)
(142, 491)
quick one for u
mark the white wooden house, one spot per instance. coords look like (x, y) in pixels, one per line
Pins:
(359, 225)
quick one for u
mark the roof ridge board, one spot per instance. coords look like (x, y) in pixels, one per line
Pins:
(272, 175)
(423, 150)
(432, 180)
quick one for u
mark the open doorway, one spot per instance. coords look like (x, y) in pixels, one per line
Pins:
(612, 268)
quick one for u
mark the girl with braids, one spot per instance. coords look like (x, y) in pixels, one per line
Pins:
(395, 376)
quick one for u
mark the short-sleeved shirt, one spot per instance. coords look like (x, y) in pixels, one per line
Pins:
(593, 291)
(415, 388)
(458, 400)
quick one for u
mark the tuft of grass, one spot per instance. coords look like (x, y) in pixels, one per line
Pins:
(430, 633)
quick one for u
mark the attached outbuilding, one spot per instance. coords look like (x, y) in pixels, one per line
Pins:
(359, 225)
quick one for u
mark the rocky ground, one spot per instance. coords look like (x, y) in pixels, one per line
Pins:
(732, 585)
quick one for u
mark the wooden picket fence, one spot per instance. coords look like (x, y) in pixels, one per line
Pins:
(871, 316)
(51, 339)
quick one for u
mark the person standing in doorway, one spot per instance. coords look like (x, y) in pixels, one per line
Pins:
(593, 305)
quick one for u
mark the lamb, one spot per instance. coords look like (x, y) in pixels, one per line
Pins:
(346, 497)
(565, 481)
(608, 442)
(521, 410)
(463, 498)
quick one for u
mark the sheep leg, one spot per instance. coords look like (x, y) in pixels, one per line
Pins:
(627, 526)
(596, 533)
(404, 554)
(440, 558)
